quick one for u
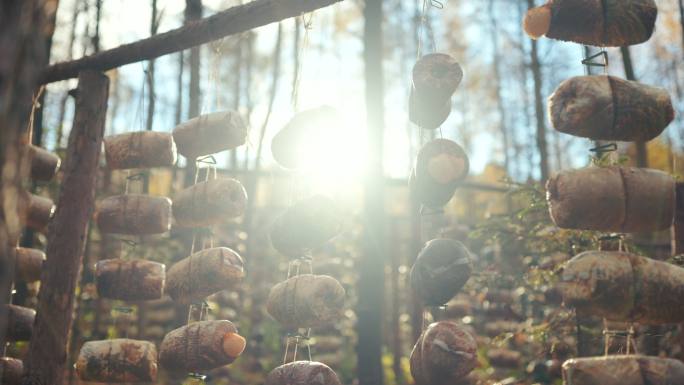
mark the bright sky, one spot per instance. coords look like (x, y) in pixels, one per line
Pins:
(332, 74)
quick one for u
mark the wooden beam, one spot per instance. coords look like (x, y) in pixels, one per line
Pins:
(229, 22)
(46, 363)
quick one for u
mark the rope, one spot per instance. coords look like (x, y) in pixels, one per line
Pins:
(119, 311)
(215, 74)
(203, 308)
(437, 4)
(424, 25)
(34, 106)
(307, 23)
(212, 174)
(140, 110)
(294, 269)
(599, 59)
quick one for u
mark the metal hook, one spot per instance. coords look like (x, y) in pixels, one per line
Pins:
(425, 210)
(305, 259)
(209, 159)
(308, 24)
(604, 148)
(299, 335)
(198, 376)
(137, 176)
(588, 61)
(611, 237)
(129, 242)
(123, 309)
(616, 333)
(678, 259)
(296, 264)
(204, 310)
(437, 4)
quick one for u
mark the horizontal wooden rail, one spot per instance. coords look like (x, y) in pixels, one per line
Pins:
(229, 22)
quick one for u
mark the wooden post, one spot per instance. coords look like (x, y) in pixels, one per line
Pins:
(46, 362)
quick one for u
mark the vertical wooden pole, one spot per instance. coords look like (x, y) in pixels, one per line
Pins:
(371, 265)
(47, 357)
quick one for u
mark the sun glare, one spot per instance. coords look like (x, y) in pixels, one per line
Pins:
(336, 154)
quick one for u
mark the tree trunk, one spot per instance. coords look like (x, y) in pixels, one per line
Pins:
(371, 264)
(499, 98)
(249, 105)
(395, 326)
(296, 64)
(237, 91)
(416, 246)
(37, 133)
(193, 12)
(46, 362)
(539, 108)
(641, 151)
(558, 149)
(525, 98)
(96, 35)
(151, 97)
(87, 40)
(24, 31)
(273, 92)
(65, 97)
(179, 89)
